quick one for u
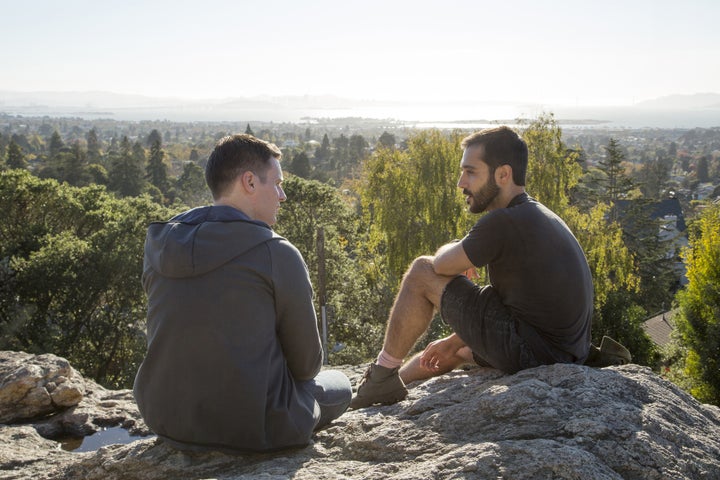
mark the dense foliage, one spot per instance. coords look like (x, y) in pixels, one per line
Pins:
(70, 264)
(71, 241)
(354, 308)
(699, 318)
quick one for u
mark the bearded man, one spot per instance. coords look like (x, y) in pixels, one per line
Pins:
(537, 308)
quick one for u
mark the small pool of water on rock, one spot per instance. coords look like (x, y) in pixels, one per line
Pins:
(106, 436)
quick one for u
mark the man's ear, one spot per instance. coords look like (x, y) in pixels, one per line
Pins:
(503, 174)
(248, 180)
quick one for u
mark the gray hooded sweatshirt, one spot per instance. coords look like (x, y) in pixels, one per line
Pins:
(231, 333)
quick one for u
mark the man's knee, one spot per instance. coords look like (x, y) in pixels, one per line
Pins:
(421, 266)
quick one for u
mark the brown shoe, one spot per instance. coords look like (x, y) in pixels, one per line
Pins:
(379, 385)
(610, 353)
(614, 352)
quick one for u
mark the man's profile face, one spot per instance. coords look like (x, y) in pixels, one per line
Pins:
(269, 194)
(477, 180)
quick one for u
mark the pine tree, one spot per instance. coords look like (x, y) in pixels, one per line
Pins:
(157, 171)
(93, 147)
(74, 166)
(15, 156)
(56, 145)
(616, 184)
(300, 165)
(126, 171)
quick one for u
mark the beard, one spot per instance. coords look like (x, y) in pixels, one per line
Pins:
(480, 200)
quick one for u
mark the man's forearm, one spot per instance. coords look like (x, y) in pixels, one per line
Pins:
(450, 259)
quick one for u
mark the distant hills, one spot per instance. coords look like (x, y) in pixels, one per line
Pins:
(681, 111)
(695, 101)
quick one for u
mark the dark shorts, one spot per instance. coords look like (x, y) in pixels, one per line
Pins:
(478, 316)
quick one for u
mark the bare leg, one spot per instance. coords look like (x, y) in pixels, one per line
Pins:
(419, 296)
(413, 371)
(416, 302)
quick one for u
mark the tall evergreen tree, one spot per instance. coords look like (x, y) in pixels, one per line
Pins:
(56, 144)
(15, 156)
(249, 131)
(157, 171)
(616, 184)
(153, 137)
(323, 152)
(75, 166)
(655, 175)
(300, 165)
(93, 146)
(703, 172)
(191, 186)
(126, 174)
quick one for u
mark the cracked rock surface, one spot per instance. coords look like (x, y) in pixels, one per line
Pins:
(559, 421)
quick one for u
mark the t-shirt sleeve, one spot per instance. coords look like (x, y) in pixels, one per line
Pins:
(485, 240)
(296, 321)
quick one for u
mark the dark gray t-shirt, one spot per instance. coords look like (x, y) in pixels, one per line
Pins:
(539, 270)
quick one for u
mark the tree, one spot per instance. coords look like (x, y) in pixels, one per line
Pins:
(191, 186)
(655, 175)
(157, 171)
(341, 153)
(411, 200)
(552, 170)
(616, 184)
(74, 166)
(126, 174)
(357, 311)
(71, 259)
(652, 254)
(249, 131)
(15, 156)
(323, 152)
(703, 174)
(356, 150)
(56, 144)
(153, 138)
(93, 147)
(698, 321)
(387, 140)
(300, 165)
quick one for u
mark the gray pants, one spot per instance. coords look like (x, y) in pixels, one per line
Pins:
(332, 392)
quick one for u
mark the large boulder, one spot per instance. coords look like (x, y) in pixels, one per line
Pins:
(560, 421)
(32, 386)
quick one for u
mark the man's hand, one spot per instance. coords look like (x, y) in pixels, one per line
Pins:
(441, 353)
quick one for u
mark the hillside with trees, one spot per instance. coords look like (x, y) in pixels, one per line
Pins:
(78, 195)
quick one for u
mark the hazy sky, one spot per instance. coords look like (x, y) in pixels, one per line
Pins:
(572, 51)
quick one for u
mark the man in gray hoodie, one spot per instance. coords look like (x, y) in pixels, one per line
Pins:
(234, 355)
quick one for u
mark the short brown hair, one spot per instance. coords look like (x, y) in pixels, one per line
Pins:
(503, 146)
(234, 155)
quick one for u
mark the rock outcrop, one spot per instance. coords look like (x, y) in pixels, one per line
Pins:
(560, 421)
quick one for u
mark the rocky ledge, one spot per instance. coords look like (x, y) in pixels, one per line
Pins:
(560, 422)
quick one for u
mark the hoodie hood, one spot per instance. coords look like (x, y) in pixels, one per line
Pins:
(196, 242)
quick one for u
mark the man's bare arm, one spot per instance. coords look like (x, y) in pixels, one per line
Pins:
(451, 259)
